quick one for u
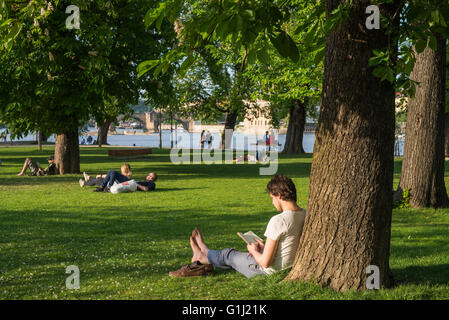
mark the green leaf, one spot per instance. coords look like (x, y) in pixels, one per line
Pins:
(435, 16)
(263, 56)
(154, 14)
(158, 70)
(285, 45)
(223, 28)
(146, 66)
(251, 58)
(319, 55)
(237, 23)
(311, 33)
(379, 71)
(421, 45)
(433, 42)
(188, 62)
(5, 23)
(248, 15)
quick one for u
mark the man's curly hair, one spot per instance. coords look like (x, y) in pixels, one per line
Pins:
(283, 186)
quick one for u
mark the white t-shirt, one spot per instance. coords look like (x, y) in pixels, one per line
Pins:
(286, 229)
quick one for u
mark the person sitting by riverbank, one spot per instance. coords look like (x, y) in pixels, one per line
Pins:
(125, 170)
(278, 253)
(36, 170)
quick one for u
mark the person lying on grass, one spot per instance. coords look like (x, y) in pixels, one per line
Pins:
(36, 170)
(282, 238)
(125, 170)
(113, 176)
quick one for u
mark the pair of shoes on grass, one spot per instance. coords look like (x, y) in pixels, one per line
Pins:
(195, 269)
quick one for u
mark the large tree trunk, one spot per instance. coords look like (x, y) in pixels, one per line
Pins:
(295, 129)
(446, 115)
(230, 122)
(348, 222)
(446, 134)
(102, 137)
(423, 164)
(67, 153)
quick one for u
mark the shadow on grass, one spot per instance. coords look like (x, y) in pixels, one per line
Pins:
(40, 237)
(424, 275)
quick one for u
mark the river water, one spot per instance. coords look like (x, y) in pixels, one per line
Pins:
(192, 140)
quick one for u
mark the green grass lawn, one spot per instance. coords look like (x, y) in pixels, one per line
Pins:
(125, 244)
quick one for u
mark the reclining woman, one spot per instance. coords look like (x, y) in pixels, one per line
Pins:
(278, 253)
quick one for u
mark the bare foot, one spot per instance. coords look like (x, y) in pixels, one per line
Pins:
(86, 176)
(20, 174)
(199, 240)
(196, 250)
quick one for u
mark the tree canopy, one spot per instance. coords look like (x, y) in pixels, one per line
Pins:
(54, 77)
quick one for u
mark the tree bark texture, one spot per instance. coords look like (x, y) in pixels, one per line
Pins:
(446, 134)
(39, 140)
(67, 154)
(423, 162)
(295, 129)
(348, 222)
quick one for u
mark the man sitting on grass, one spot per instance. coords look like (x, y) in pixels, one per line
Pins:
(36, 170)
(278, 252)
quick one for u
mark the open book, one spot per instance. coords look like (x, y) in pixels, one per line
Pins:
(249, 237)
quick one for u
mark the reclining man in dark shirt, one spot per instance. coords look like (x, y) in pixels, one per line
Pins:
(148, 184)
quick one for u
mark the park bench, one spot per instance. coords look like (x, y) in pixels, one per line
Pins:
(128, 153)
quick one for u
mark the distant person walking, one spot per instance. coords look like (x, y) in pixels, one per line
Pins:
(209, 139)
(202, 139)
(267, 139)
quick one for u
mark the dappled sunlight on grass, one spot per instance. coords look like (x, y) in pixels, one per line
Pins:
(125, 244)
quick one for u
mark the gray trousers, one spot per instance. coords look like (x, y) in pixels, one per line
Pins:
(94, 182)
(242, 262)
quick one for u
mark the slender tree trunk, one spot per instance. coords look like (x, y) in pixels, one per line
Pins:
(39, 140)
(160, 130)
(102, 137)
(347, 228)
(67, 154)
(230, 122)
(171, 130)
(295, 129)
(423, 164)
